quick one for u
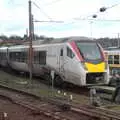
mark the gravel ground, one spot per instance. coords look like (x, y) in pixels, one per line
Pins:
(16, 112)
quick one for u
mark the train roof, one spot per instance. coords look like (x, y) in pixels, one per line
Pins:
(112, 48)
(18, 47)
(112, 51)
(66, 39)
(3, 48)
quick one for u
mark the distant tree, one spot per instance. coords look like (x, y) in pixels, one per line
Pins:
(36, 37)
(3, 37)
(108, 42)
(15, 37)
(42, 37)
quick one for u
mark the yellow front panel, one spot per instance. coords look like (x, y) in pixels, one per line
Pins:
(95, 67)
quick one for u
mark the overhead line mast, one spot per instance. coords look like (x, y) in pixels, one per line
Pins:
(30, 39)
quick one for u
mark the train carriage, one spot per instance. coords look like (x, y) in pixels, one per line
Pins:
(4, 56)
(18, 57)
(76, 60)
(113, 60)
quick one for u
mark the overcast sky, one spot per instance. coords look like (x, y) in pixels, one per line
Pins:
(14, 18)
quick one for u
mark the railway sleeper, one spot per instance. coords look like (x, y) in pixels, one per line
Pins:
(64, 107)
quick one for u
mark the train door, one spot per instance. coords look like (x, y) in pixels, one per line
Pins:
(69, 64)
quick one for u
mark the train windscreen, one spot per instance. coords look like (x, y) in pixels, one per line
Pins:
(89, 50)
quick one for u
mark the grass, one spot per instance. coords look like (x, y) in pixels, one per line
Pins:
(38, 88)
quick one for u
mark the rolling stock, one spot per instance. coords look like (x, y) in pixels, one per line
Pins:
(76, 60)
(113, 60)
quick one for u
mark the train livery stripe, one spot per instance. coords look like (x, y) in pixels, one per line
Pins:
(75, 49)
(102, 52)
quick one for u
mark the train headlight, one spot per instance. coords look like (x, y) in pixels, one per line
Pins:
(84, 66)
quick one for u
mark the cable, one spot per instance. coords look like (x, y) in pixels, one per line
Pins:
(113, 6)
(42, 11)
(102, 9)
(117, 20)
(51, 21)
(54, 1)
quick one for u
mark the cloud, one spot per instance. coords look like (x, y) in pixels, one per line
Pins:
(14, 17)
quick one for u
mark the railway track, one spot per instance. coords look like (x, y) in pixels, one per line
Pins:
(98, 113)
(51, 108)
(35, 110)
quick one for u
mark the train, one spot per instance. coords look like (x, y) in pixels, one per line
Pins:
(113, 60)
(76, 60)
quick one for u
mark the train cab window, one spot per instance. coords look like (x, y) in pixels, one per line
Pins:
(116, 59)
(110, 59)
(61, 52)
(70, 53)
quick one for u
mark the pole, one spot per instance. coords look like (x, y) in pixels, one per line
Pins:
(118, 41)
(52, 76)
(30, 40)
(32, 27)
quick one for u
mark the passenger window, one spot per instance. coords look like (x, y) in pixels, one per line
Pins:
(116, 59)
(61, 52)
(110, 59)
(70, 53)
(42, 57)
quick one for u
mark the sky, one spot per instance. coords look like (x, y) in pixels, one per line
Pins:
(75, 14)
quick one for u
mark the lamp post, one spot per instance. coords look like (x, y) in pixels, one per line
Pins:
(103, 9)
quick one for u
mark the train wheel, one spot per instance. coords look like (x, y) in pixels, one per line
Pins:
(117, 98)
(58, 81)
(48, 79)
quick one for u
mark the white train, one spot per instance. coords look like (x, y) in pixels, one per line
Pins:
(76, 60)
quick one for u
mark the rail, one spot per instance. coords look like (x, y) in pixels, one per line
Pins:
(86, 110)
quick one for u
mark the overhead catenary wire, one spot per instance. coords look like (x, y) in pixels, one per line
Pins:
(113, 5)
(100, 20)
(74, 19)
(42, 11)
(51, 21)
(103, 10)
(53, 2)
